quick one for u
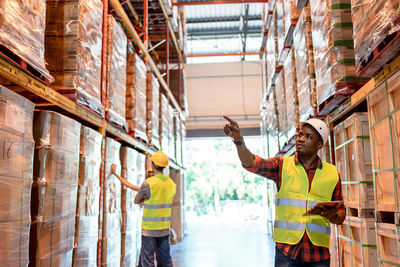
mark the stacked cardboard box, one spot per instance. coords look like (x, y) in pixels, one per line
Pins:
(141, 171)
(280, 32)
(177, 84)
(183, 135)
(111, 250)
(171, 135)
(73, 49)
(16, 114)
(373, 21)
(333, 48)
(87, 210)
(272, 52)
(153, 108)
(291, 16)
(292, 101)
(164, 126)
(304, 59)
(116, 73)
(55, 188)
(280, 93)
(136, 96)
(129, 209)
(272, 125)
(22, 25)
(178, 138)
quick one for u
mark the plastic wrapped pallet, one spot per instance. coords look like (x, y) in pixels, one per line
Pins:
(291, 16)
(16, 114)
(55, 188)
(272, 52)
(183, 135)
(178, 139)
(272, 125)
(280, 94)
(136, 96)
(129, 208)
(280, 32)
(333, 48)
(153, 108)
(292, 112)
(116, 73)
(141, 170)
(304, 58)
(87, 212)
(164, 126)
(112, 207)
(73, 49)
(177, 84)
(373, 22)
(22, 26)
(171, 135)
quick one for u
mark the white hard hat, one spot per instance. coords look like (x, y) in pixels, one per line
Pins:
(320, 127)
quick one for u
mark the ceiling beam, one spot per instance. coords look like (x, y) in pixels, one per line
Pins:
(224, 54)
(220, 19)
(232, 31)
(202, 133)
(218, 2)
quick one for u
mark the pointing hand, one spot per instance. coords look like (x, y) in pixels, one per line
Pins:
(232, 129)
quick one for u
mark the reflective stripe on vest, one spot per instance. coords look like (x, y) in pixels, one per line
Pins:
(294, 198)
(157, 209)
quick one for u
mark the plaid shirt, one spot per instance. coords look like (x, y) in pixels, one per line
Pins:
(272, 169)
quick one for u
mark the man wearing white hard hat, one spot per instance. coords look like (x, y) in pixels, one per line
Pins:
(309, 195)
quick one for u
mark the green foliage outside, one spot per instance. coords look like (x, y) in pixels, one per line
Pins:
(214, 174)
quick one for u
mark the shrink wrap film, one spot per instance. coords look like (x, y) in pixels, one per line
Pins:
(171, 135)
(272, 125)
(280, 93)
(373, 21)
(116, 73)
(153, 108)
(292, 108)
(177, 84)
(87, 212)
(129, 209)
(16, 119)
(183, 132)
(141, 167)
(304, 58)
(136, 96)
(54, 191)
(272, 51)
(178, 138)
(164, 123)
(112, 218)
(280, 30)
(73, 50)
(22, 30)
(333, 48)
(291, 16)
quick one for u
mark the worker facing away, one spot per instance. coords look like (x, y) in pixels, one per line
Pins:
(156, 193)
(303, 180)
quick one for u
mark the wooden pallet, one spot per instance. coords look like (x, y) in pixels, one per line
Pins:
(18, 62)
(388, 244)
(359, 213)
(388, 217)
(332, 103)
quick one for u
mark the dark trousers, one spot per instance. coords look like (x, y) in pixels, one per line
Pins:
(152, 244)
(281, 260)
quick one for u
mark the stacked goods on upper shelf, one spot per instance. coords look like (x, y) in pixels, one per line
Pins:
(357, 242)
(87, 211)
(178, 138)
(353, 161)
(112, 207)
(141, 176)
(292, 107)
(164, 126)
(183, 136)
(55, 188)
(280, 32)
(171, 135)
(73, 50)
(376, 25)
(22, 26)
(129, 208)
(333, 52)
(116, 73)
(280, 95)
(272, 125)
(177, 84)
(272, 53)
(291, 16)
(153, 108)
(16, 115)
(136, 96)
(304, 59)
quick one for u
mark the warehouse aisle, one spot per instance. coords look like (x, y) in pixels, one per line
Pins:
(224, 244)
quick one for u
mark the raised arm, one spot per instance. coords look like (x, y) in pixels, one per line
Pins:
(122, 179)
(232, 130)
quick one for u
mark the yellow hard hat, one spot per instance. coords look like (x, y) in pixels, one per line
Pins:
(160, 159)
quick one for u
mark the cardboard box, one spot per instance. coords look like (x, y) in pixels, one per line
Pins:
(14, 243)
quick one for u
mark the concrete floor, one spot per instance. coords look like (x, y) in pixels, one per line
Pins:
(224, 244)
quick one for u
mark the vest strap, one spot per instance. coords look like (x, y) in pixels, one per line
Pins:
(156, 219)
(290, 202)
(289, 225)
(157, 206)
(318, 228)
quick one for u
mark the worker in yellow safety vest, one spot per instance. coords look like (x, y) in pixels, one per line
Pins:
(309, 196)
(156, 195)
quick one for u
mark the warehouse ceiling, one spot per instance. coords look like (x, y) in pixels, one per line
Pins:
(223, 69)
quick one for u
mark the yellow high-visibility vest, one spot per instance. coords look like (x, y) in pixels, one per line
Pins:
(294, 199)
(157, 209)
